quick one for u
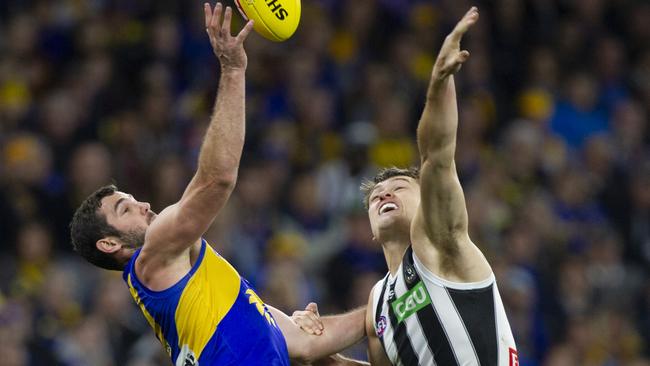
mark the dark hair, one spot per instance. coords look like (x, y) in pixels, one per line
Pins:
(386, 173)
(89, 225)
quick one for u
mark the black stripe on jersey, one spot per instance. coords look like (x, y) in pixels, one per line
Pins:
(431, 325)
(405, 351)
(476, 310)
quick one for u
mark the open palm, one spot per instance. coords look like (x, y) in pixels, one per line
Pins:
(451, 58)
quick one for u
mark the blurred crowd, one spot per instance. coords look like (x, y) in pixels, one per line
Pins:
(553, 154)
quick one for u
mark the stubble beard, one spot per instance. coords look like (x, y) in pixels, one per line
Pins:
(133, 238)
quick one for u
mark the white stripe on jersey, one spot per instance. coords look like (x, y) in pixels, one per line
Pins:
(506, 340)
(414, 330)
(452, 324)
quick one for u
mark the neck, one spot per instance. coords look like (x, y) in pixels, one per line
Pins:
(394, 241)
(124, 255)
(394, 253)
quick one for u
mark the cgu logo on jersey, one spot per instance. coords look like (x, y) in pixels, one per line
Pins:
(412, 301)
(186, 357)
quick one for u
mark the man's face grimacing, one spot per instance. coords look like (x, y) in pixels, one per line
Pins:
(130, 217)
(392, 206)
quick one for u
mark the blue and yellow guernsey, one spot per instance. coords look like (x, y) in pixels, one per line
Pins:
(211, 316)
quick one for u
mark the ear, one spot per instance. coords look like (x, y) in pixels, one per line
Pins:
(109, 245)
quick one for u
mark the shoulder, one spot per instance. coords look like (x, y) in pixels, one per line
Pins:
(370, 314)
(376, 289)
(373, 297)
(469, 265)
(159, 272)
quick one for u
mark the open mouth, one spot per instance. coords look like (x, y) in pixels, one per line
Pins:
(387, 207)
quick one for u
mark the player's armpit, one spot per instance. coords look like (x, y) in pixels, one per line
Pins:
(441, 219)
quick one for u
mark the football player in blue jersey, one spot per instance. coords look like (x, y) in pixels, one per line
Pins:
(201, 310)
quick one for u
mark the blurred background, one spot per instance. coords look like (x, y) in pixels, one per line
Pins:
(553, 155)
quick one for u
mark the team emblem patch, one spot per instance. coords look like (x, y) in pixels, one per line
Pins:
(381, 326)
(410, 275)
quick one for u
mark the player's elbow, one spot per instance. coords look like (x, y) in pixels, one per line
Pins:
(306, 352)
(222, 180)
(226, 183)
(437, 161)
(438, 153)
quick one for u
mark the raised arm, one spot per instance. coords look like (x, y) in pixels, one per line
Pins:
(439, 229)
(338, 333)
(179, 226)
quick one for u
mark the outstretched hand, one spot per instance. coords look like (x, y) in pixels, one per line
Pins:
(229, 49)
(309, 319)
(451, 58)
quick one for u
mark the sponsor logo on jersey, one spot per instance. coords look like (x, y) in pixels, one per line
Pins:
(514, 357)
(381, 326)
(412, 301)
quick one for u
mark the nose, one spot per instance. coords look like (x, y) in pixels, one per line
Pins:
(145, 206)
(385, 194)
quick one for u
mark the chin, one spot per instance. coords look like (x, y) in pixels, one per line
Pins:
(392, 223)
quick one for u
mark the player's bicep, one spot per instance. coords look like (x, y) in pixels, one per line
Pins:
(376, 353)
(442, 216)
(180, 225)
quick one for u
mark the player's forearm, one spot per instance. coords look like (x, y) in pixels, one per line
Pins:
(338, 360)
(224, 139)
(339, 333)
(437, 128)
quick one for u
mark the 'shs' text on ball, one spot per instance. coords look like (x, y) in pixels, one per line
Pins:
(277, 9)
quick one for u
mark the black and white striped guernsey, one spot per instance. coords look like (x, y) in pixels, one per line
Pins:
(422, 319)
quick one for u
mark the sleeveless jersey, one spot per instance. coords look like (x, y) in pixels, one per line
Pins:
(211, 316)
(422, 319)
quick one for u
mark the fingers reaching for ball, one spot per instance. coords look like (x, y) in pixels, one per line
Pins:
(227, 48)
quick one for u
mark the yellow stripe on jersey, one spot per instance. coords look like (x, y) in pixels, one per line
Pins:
(157, 329)
(205, 301)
